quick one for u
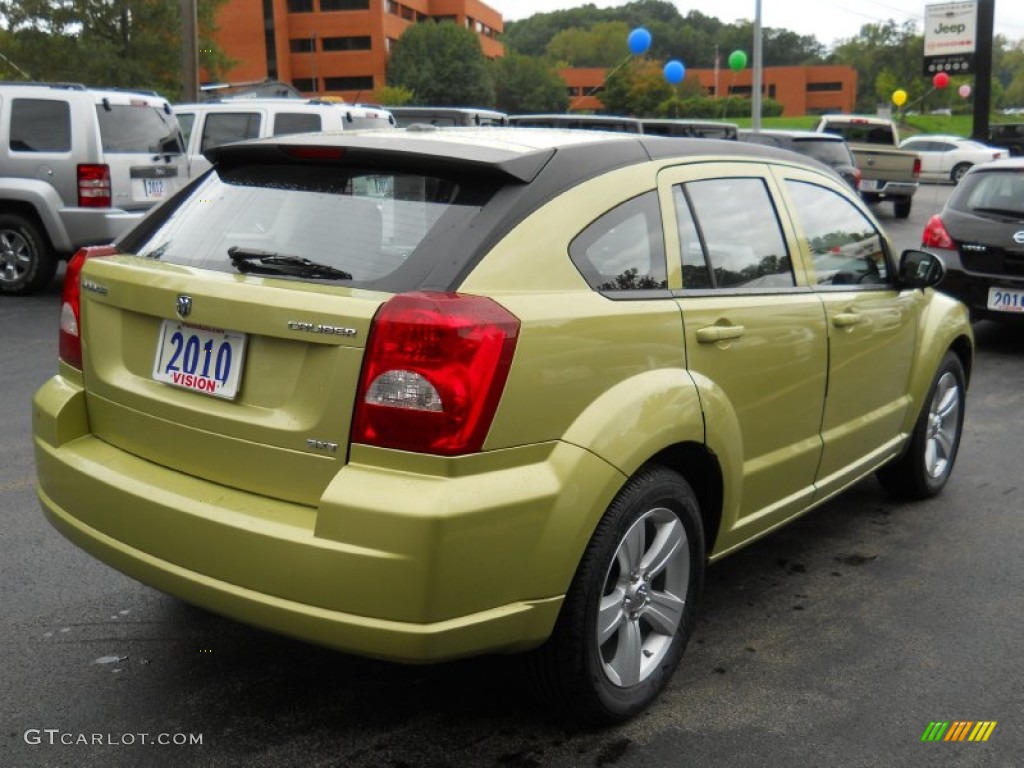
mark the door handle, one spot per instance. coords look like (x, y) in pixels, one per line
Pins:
(846, 319)
(715, 333)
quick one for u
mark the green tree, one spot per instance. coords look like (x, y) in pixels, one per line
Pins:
(603, 45)
(119, 43)
(393, 96)
(443, 65)
(886, 56)
(639, 88)
(527, 84)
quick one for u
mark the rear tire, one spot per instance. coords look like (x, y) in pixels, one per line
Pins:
(26, 261)
(901, 207)
(923, 469)
(958, 172)
(630, 608)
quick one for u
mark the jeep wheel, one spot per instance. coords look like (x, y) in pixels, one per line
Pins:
(26, 262)
(922, 471)
(901, 207)
(630, 609)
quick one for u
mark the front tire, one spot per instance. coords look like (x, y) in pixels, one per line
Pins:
(923, 469)
(630, 608)
(26, 262)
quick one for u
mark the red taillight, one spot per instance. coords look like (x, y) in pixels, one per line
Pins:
(70, 346)
(93, 186)
(316, 153)
(935, 235)
(917, 167)
(857, 176)
(435, 368)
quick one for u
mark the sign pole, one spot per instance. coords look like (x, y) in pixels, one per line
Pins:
(983, 69)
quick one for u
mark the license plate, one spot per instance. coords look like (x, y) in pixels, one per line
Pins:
(149, 189)
(1005, 300)
(206, 360)
(868, 185)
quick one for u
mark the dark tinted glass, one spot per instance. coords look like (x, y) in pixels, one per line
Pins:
(226, 127)
(828, 152)
(40, 125)
(624, 250)
(741, 232)
(137, 129)
(382, 227)
(289, 122)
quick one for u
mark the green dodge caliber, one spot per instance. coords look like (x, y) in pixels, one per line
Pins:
(432, 393)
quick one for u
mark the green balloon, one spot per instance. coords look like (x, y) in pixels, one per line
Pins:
(737, 60)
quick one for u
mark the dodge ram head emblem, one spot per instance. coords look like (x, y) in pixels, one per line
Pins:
(184, 305)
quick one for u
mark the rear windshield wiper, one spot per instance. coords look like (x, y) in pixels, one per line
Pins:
(248, 260)
(1000, 212)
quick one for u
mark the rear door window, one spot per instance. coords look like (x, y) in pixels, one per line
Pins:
(40, 125)
(741, 245)
(226, 127)
(286, 123)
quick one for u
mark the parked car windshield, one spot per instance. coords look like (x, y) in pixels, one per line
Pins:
(143, 129)
(368, 223)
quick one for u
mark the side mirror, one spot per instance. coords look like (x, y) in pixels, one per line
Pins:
(920, 269)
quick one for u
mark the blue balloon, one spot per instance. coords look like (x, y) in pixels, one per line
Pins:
(639, 40)
(675, 71)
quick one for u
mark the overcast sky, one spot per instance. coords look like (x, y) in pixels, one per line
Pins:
(827, 20)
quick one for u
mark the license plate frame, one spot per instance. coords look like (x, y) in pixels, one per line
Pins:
(209, 361)
(149, 189)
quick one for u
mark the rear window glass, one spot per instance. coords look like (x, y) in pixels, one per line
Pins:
(828, 152)
(862, 133)
(995, 192)
(138, 129)
(379, 226)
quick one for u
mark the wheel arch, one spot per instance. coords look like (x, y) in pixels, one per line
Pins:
(700, 468)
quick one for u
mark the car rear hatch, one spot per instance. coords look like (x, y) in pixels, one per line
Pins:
(985, 219)
(226, 340)
(142, 148)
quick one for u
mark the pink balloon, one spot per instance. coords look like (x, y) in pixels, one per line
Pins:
(941, 80)
(964, 91)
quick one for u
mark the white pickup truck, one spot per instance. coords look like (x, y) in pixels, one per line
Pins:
(887, 172)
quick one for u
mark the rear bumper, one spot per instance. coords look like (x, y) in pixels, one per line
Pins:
(438, 559)
(96, 226)
(889, 188)
(972, 288)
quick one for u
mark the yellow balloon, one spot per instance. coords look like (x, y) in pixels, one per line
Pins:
(899, 97)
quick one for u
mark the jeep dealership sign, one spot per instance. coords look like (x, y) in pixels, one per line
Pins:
(950, 38)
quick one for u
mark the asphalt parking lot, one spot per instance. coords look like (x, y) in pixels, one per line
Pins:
(834, 642)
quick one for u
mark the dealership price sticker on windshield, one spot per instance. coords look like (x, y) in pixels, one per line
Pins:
(206, 360)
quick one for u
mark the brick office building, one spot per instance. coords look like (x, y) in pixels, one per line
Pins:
(336, 47)
(800, 90)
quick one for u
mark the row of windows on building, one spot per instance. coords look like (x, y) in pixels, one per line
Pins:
(351, 83)
(391, 6)
(329, 44)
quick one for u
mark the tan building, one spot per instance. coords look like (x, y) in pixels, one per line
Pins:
(336, 47)
(800, 90)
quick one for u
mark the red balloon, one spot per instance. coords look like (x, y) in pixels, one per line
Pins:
(941, 80)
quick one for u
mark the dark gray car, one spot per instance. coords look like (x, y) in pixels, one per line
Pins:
(827, 148)
(980, 237)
